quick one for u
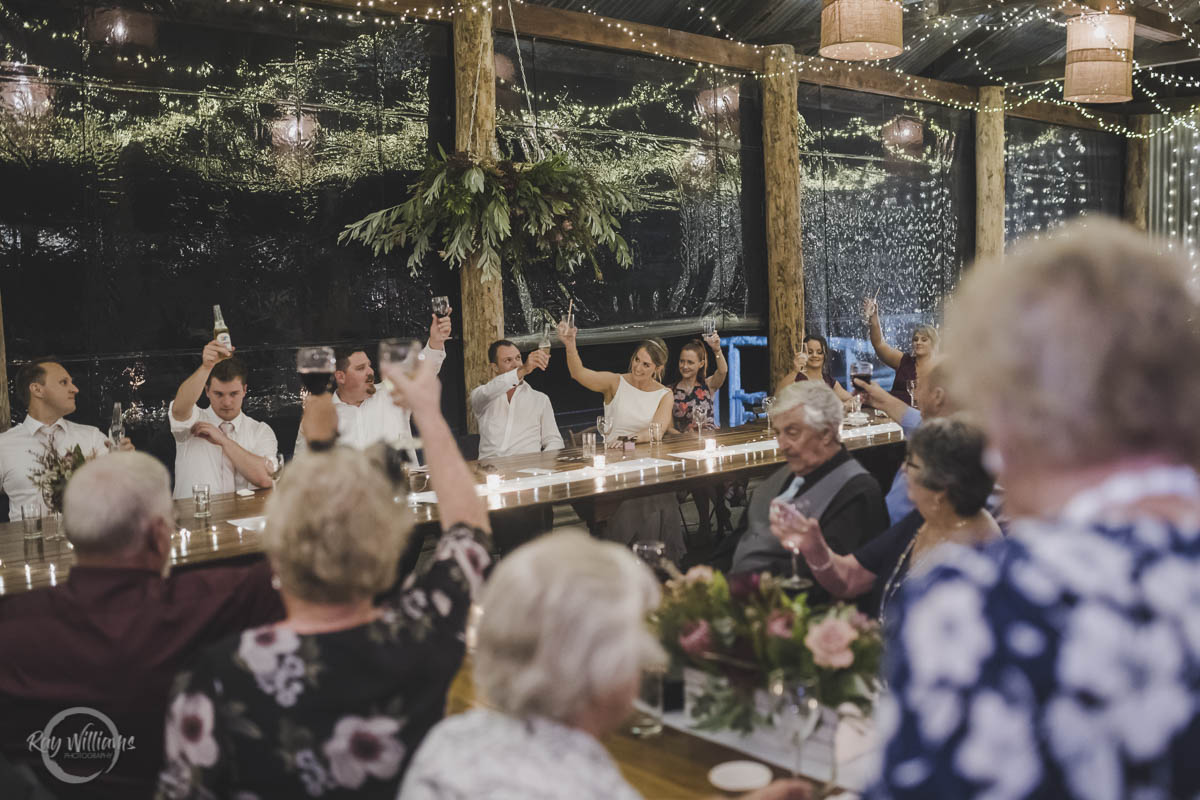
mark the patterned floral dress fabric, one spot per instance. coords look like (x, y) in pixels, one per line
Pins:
(1061, 662)
(685, 401)
(272, 713)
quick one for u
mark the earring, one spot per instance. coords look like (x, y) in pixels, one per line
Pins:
(276, 584)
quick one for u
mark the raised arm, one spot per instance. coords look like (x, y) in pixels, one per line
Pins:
(453, 482)
(884, 400)
(717, 379)
(189, 391)
(842, 576)
(887, 354)
(604, 382)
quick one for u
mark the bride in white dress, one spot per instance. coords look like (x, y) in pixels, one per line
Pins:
(632, 400)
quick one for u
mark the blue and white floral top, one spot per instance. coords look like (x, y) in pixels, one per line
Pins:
(1061, 662)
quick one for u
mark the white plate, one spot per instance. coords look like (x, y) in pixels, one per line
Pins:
(740, 776)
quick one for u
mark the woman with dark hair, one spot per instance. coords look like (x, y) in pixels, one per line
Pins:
(695, 388)
(811, 363)
(909, 366)
(949, 486)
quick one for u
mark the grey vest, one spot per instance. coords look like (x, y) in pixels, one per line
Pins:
(759, 549)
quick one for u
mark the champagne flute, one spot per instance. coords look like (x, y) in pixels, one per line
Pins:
(316, 366)
(797, 708)
(698, 419)
(604, 425)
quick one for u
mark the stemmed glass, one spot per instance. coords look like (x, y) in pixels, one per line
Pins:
(797, 708)
(708, 325)
(441, 305)
(545, 342)
(794, 582)
(912, 394)
(766, 404)
(605, 426)
(275, 466)
(699, 417)
(316, 366)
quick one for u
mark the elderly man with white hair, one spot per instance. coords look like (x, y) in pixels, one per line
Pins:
(561, 647)
(111, 636)
(820, 478)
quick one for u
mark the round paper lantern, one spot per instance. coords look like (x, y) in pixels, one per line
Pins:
(1099, 59)
(861, 30)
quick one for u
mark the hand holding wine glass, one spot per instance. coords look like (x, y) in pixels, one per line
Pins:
(870, 308)
(791, 523)
(316, 366)
(567, 332)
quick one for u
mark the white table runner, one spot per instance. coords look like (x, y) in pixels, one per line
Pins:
(558, 478)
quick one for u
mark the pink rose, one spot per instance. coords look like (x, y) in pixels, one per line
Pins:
(779, 624)
(698, 574)
(861, 621)
(696, 639)
(830, 641)
(744, 585)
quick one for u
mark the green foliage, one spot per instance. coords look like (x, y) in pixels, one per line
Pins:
(746, 630)
(485, 213)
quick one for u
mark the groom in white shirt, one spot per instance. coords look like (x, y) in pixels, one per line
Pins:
(514, 418)
(46, 389)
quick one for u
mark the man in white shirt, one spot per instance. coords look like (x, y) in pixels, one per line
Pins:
(46, 389)
(514, 418)
(219, 445)
(366, 416)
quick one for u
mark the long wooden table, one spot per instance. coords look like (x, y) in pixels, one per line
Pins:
(215, 539)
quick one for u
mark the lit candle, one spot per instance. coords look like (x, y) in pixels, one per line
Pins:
(599, 462)
(493, 482)
(710, 445)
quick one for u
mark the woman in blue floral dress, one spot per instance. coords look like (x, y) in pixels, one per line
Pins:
(334, 700)
(1064, 660)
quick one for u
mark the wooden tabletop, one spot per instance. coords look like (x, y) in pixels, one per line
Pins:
(673, 765)
(216, 538)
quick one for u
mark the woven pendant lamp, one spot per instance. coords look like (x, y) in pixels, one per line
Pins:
(861, 30)
(1099, 59)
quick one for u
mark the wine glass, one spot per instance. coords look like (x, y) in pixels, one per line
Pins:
(441, 305)
(708, 325)
(862, 371)
(275, 466)
(399, 354)
(316, 366)
(766, 404)
(605, 426)
(794, 582)
(912, 393)
(797, 708)
(653, 554)
(116, 431)
(545, 342)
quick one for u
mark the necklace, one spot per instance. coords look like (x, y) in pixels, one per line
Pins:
(894, 580)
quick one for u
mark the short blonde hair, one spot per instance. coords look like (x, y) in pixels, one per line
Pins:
(1080, 348)
(333, 532)
(822, 408)
(931, 332)
(563, 625)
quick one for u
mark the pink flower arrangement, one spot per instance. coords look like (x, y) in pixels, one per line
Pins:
(830, 640)
(696, 639)
(779, 624)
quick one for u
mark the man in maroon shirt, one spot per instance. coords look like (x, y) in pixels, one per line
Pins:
(85, 667)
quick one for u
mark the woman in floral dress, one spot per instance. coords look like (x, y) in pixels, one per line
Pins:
(1064, 660)
(696, 390)
(333, 701)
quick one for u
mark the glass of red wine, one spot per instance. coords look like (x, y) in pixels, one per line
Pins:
(860, 371)
(441, 306)
(316, 366)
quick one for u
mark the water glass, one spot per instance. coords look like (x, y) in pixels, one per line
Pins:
(31, 519)
(656, 432)
(709, 325)
(202, 499)
(589, 444)
(647, 717)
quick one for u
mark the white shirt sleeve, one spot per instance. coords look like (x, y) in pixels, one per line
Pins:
(551, 437)
(435, 357)
(483, 396)
(182, 431)
(265, 444)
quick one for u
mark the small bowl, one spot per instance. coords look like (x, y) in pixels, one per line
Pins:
(740, 776)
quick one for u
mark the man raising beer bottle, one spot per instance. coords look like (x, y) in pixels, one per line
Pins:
(219, 445)
(366, 416)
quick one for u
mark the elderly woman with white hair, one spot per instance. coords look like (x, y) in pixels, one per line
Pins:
(334, 699)
(562, 644)
(1064, 660)
(820, 477)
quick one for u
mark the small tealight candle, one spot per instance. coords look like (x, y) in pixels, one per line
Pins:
(493, 482)
(710, 445)
(599, 462)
